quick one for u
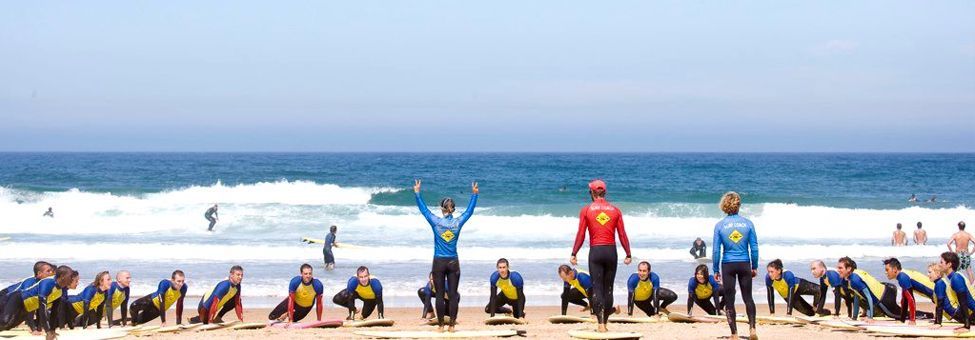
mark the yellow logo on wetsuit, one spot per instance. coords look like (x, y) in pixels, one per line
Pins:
(735, 236)
(703, 291)
(602, 218)
(447, 235)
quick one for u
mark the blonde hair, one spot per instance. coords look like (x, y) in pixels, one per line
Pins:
(730, 203)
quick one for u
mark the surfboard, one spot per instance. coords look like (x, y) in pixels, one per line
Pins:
(178, 328)
(432, 334)
(684, 318)
(777, 320)
(632, 319)
(839, 325)
(703, 260)
(919, 332)
(504, 320)
(370, 323)
(4, 238)
(812, 319)
(248, 325)
(310, 240)
(563, 319)
(591, 334)
(329, 323)
(81, 334)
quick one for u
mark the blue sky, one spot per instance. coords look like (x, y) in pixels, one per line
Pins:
(889, 76)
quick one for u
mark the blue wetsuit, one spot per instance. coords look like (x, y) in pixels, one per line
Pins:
(446, 266)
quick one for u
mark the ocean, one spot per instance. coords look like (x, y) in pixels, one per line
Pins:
(144, 212)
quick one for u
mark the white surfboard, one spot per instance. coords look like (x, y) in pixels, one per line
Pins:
(432, 334)
(634, 319)
(562, 319)
(370, 323)
(592, 334)
(504, 320)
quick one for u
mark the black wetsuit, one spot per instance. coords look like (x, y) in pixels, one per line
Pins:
(699, 250)
(210, 216)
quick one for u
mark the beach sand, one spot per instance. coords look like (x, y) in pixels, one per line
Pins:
(538, 327)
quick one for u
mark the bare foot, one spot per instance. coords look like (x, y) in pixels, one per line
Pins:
(450, 329)
(602, 328)
(440, 329)
(733, 337)
(752, 334)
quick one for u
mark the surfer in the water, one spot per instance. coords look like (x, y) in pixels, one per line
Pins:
(49, 212)
(701, 288)
(168, 292)
(512, 288)
(831, 278)
(920, 236)
(735, 258)
(446, 264)
(212, 216)
(327, 248)
(791, 288)
(911, 282)
(645, 292)
(364, 287)
(221, 299)
(602, 221)
(303, 291)
(699, 249)
(576, 288)
(899, 238)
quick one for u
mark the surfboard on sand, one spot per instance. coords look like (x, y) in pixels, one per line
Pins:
(178, 328)
(778, 320)
(684, 318)
(370, 323)
(81, 334)
(248, 325)
(633, 319)
(839, 325)
(215, 326)
(947, 332)
(561, 319)
(331, 323)
(592, 334)
(504, 320)
(432, 334)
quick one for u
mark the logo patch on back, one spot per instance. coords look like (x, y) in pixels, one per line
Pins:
(602, 218)
(735, 236)
(447, 235)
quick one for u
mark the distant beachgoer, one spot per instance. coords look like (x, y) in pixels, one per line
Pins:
(913, 198)
(699, 249)
(900, 237)
(734, 258)
(933, 199)
(920, 236)
(327, 249)
(961, 239)
(212, 216)
(49, 212)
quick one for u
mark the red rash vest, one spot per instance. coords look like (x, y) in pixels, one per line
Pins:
(603, 220)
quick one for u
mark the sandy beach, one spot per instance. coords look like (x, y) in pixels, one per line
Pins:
(537, 328)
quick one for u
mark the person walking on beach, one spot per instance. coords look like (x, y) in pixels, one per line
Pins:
(212, 216)
(699, 249)
(900, 237)
(603, 221)
(735, 247)
(961, 239)
(327, 248)
(920, 235)
(446, 264)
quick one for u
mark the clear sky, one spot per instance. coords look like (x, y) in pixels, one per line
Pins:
(895, 76)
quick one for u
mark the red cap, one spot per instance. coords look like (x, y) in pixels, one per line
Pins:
(597, 184)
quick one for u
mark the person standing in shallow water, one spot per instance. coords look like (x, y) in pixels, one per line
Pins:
(212, 216)
(735, 247)
(602, 220)
(327, 248)
(446, 264)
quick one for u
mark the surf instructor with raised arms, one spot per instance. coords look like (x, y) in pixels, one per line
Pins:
(446, 264)
(603, 221)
